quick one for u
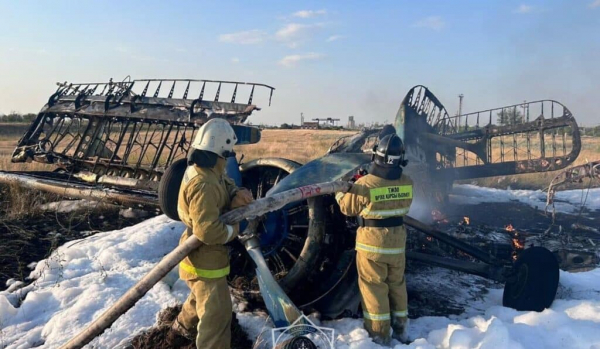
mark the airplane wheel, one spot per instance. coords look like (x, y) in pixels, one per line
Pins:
(532, 285)
(168, 188)
(280, 247)
(300, 342)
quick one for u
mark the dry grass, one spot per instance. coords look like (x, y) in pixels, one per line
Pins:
(6, 165)
(305, 145)
(17, 202)
(7, 145)
(297, 145)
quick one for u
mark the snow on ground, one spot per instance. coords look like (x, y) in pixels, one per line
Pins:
(568, 201)
(573, 321)
(83, 278)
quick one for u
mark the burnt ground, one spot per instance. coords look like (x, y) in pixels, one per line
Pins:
(33, 235)
(520, 215)
(157, 337)
(434, 291)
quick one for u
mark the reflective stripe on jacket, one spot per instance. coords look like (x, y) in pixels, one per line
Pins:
(204, 195)
(373, 197)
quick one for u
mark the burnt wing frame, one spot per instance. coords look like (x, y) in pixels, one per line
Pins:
(537, 136)
(128, 138)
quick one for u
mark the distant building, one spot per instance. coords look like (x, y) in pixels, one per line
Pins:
(310, 125)
(351, 122)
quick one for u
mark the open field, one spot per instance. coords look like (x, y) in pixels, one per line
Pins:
(12, 129)
(297, 145)
(305, 145)
(8, 143)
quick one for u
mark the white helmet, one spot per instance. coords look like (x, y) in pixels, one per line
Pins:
(215, 136)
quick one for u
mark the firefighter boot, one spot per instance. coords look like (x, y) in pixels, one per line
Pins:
(187, 321)
(400, 325)
(383, 341)
(178, 336)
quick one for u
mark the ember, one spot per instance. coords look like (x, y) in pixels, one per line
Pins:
(517, 243)
(466, 220)
(517, 240)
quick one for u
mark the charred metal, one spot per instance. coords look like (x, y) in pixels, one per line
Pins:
(108, 134)
(115, 141)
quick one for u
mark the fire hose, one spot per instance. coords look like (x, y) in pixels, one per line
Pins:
(253, 210)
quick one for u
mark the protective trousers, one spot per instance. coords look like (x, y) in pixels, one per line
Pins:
(383, 294)
(208, 308)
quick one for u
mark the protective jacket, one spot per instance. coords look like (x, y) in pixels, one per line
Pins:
(380, 253)
(206, 194)
(373, 197)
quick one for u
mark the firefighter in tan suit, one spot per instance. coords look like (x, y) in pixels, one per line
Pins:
(206, 193)
(380, 199)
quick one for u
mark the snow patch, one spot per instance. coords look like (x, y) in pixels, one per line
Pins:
(32, 265)
(568, 201)
(81, 279)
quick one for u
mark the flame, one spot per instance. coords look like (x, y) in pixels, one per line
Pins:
(466, 220)
(518, 242)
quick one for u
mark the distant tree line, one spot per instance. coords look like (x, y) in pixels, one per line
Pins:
(17, 117)
(590, 131)
(510, 116)
(286, 126)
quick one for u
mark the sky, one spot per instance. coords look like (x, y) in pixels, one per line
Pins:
(325, 58)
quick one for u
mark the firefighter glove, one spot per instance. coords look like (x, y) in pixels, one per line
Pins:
(242, 198)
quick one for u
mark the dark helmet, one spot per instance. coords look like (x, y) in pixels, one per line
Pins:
(389, 152)
(386, 130)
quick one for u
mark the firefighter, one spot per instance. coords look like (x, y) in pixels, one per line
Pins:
(380, 199)
(206, 193)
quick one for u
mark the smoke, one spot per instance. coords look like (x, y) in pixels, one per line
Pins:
(423, 188)
(380, 104)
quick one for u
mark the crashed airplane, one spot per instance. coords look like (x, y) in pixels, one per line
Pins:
(126, 142)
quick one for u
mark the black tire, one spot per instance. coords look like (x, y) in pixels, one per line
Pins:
(532, 285)
(168, 188)
(299, 342)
